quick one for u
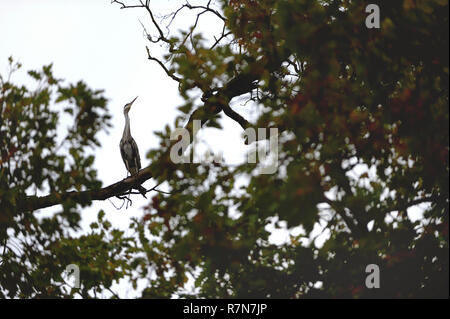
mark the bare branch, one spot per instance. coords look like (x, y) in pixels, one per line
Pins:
(169, 73)
(222, 36)
(157, 190)
(207, 8)
(235, 116)
(161, 34)
(117, 189)
(294, 64)
(123, 6)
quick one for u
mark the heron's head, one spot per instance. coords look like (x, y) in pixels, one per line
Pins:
(127, 106)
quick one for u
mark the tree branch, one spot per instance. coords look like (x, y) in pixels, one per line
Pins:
(349, 222)
(170, 74)
(232, 114)
(32, 203)
(161, 34)
(206, 8)
(123, 6)
(417, 201)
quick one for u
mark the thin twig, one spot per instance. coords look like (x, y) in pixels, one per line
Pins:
(113, 293)
(170, 74)
(125, 6)
(157, 190)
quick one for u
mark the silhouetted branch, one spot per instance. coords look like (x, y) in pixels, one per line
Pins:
(152, 18)
(222, 36)
(235, 116)
(123, 6)
(117, 189)
(170, 74)
(206, 8)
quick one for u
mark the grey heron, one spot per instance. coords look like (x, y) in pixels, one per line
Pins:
(129, 149)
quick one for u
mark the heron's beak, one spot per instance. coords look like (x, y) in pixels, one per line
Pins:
(133, 100)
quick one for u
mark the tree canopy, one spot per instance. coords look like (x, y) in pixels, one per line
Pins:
(362, 117)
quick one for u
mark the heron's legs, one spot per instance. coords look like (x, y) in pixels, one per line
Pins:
(129, 193)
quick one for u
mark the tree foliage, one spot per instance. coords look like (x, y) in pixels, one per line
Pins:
(46, 133)
(363, 121)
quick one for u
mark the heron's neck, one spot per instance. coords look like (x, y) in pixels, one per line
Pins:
(126, 130)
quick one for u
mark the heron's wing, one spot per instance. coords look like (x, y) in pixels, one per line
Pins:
(136, 155)
(124, 155)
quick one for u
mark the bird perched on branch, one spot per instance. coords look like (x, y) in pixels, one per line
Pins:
(129, 149)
